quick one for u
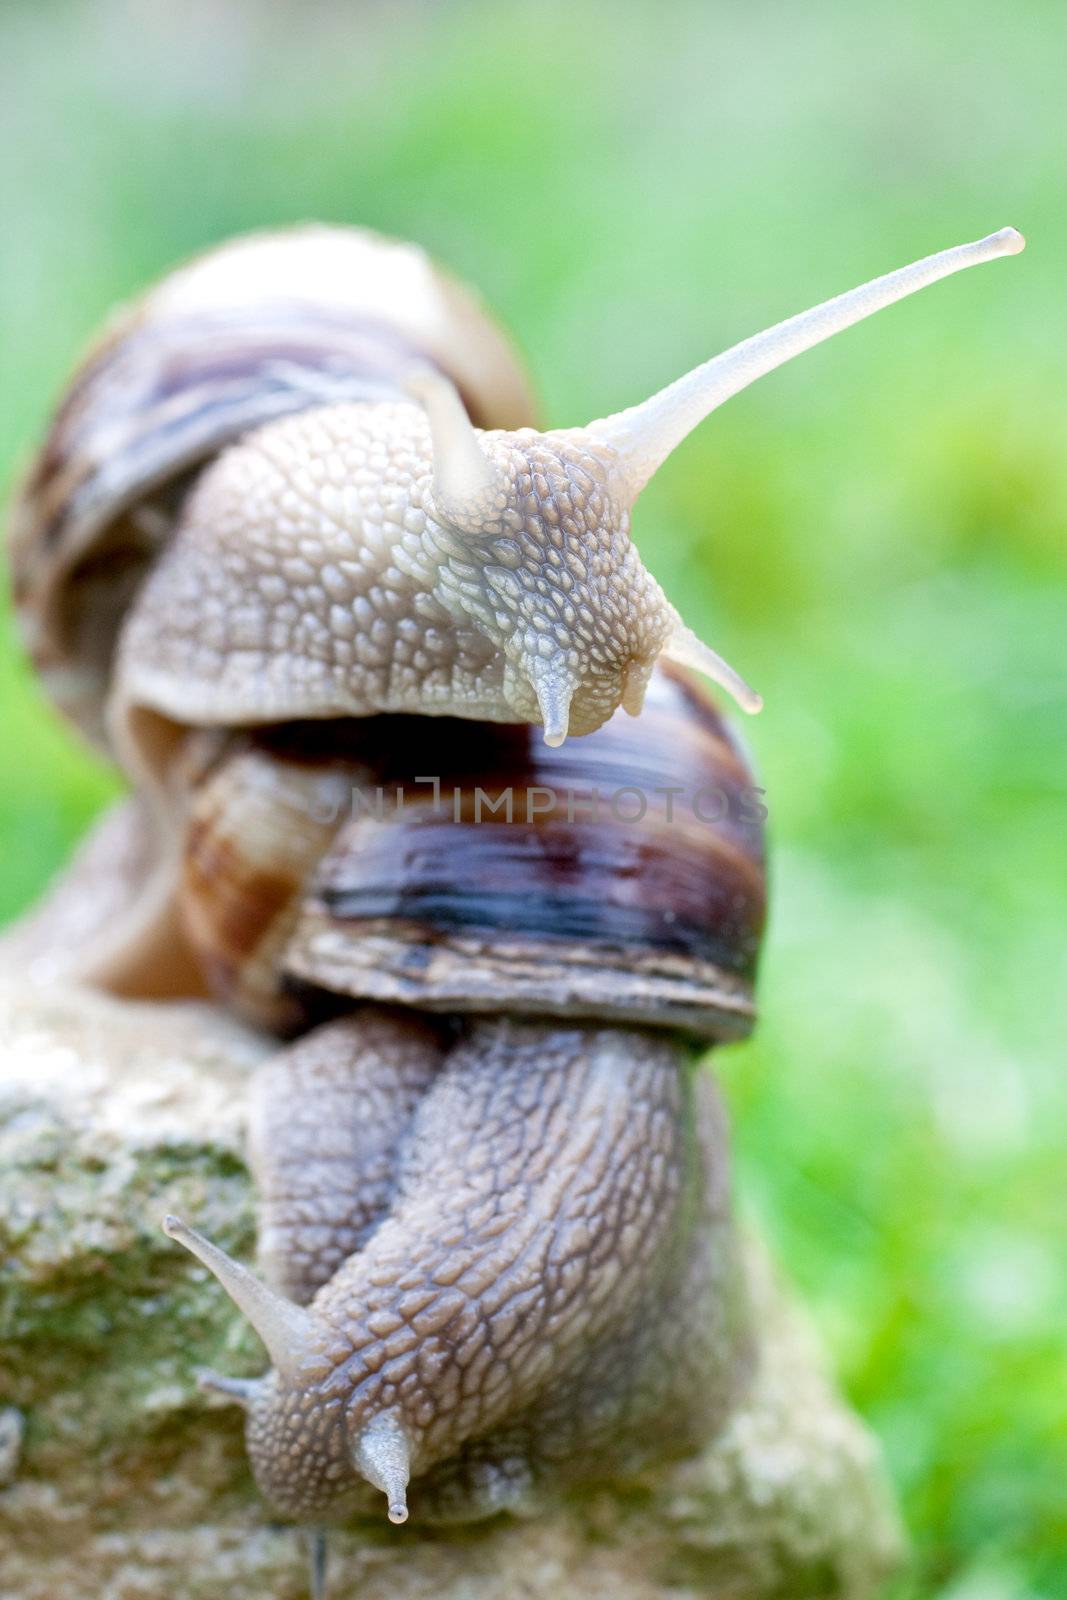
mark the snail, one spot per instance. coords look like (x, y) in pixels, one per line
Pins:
(293, 546)
(494, 1219)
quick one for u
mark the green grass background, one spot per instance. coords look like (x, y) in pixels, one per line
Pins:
(875, 536)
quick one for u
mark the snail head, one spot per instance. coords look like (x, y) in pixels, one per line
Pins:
(533, 529)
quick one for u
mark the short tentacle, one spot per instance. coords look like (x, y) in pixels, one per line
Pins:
(244, 1391)
(382, 1454)
(688, 650)
(554, 688)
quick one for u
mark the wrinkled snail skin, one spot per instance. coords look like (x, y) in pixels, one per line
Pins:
(547, 1289)
(312, 575)
(326, 1119)
(298, 487)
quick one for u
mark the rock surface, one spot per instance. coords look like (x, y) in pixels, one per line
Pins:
(119, 1480)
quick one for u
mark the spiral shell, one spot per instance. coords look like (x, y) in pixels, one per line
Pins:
(453, 867)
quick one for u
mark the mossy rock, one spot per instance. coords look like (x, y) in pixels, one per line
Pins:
(123, 1480)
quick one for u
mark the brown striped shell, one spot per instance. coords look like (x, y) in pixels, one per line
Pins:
(263, 326)
(471, 868)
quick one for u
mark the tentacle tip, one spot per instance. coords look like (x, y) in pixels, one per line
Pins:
(182, 1234)
(1009, 241)
(398, 1512)
(554, 694)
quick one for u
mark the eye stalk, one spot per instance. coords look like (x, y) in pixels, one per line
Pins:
(577, 592)
(293, 1339)
(645, 434)
(467, 487)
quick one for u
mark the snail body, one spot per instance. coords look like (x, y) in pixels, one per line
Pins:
(549, 1294)
(498, 1184)
(293, 543)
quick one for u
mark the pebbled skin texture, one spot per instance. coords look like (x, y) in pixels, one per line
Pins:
(549, 1294)
(325, 1120)
(310, 575)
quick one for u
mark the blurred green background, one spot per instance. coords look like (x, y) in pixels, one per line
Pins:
(875, 536)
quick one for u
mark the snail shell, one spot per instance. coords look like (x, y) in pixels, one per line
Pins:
(258, 825)
(462, 868)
